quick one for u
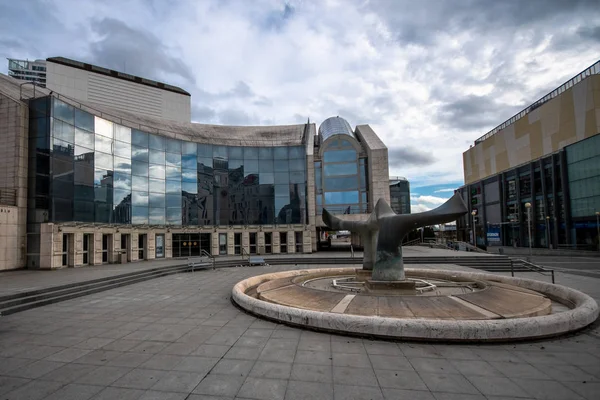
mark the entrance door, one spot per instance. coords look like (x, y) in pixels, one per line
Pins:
(142, 247)
(125, 245)
(222, 244)
(252, 242)
(237, 243)
(160, 246)
(65, 250)
(106, 239)
(86, 249)
(283, 241)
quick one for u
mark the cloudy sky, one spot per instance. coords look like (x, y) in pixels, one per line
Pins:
(429, 76)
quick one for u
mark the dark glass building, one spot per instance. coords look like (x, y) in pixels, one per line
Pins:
(400, 195)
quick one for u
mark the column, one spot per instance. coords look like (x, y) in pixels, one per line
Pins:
(306, 245)
(230, 243)
(260, 242)
(113, 256)
(215, 243)
(96, 249)
(276, 246)
(168, 245)
(291, 242)
(133, 249)
(245, 243)
(151, 245)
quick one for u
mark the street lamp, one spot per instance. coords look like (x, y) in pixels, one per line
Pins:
(598, 227)
(474, 213)
(528, 207)
(548, 231)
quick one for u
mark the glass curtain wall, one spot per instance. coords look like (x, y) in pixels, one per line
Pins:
(92, 170)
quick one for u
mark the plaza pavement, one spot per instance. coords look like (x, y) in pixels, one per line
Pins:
(179, 337)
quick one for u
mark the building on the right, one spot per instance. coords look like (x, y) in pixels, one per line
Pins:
(535, 179)
(400, 194)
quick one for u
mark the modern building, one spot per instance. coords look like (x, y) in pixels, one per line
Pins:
(106, 88)
(87, 185)
(30, 71)
(400, 195)
(540, 172)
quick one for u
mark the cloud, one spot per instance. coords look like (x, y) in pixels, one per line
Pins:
(402, 156)
(429, 199)
(445, 190)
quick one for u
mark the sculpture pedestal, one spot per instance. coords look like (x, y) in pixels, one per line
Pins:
(405, 287)
(363, 274)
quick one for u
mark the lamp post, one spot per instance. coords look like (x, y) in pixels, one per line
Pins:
(474, 213)
(598, 227)
(548, 231)
(528, 207)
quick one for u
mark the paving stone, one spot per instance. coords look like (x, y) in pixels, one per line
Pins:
(518, 370)
(313, 357)
(263, 389)
(390, 362)
(243, 353)
(75, 391)
(270, 369)
(8, 383)
(112, 393)
(399, 380)
(445, 382)
(210, 350)
(139, 379)
(589, 390)
(93, 343)
(220, 385)
(178, 381)
(33, 390)
(233, 367)
(179, 349)
(435, 365)
(347, 392)
(382, 348)
(122, 345)
(354, 376)
(277, 355)
(312, 373)
(396, 394)
(162, 361)
(68, 355)
(358, 360)
(69, 372)
(154, 395)
(8, 364)
(309, 391)
(35, 369)
(546, 389)
(103, 376)
(98, 357)
(129, 360)
(497, 386)
(40, 352)
(474, 367)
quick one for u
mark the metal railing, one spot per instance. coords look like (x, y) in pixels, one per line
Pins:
(205, 253)
(246, 252)
(8, 197)
(412, 242)
(592, 70)
(532, 267)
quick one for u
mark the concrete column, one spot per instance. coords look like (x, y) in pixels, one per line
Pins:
(246, 242)
(230, 243)
(46, 246)
(291, 242)
(168, 245)
(151, 245)
(133, 249)
(96, 249)
(307, 241)
(260, 242)
(113, 256)
(215, 243)
(276, 243)
(77, 249)
(57, 250)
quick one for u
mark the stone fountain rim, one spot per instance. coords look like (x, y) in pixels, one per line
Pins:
(584, 312)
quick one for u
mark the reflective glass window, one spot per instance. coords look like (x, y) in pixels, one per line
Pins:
(122, 149)
(139, 183)
(342, 183)
(339, 156)
(156, 185)
(103, 144)
(103, 160)
(250, 167)
(121, 196)
(189, 161)
(156, 215)
(281, 165)
(63, 131)
(282, 190)
(174, 146)
(220, 152)
(189, 187)
(297, 152)
(280, 153)
(205, 150)
(157, 200)
(83, 211)
(63, 111)
(103, 194)
(265, 165)
(250, 153)
(236, 152)
(139, 215)
(341, 197)
(84, 120)
(122, 181)
(139, 198)
(157, 171)
(122, 165)
(139, 168)
(156, 142)
(173, 159)
(173, 187)
(139, 153)
(174, 216)
(266, 178)
(235, 164)
(265, 153)
(157, 157)
(341, 169)
(139, 138)
(297, 177)
(103, 127)
(173, 173)
(123, 133)
(282, 177)
(205, 162)
(83, 155)
(189, 175)
(84, 139)
(190, 148)
(297, 164)
(173, 200)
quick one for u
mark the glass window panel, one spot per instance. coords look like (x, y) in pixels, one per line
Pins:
(280, 203)
(265, 153)
(84, 120)
(174, 146)
(339, 155)
(63, 131)
(103, 144)
(139, 168)
(174, 216)
(343, 183)
(281, 165)
(173, 173)
(139, 153)
(103, 160)
(235, 164)
(173, 159)
(205, 150)
(189, 187)
(250, 167)
(103, 194)
(341, 169)
(139, 183)
(189, 175)
(139, 198)
(156, 171)
(297, 177)
(84, 138)
(236, 152)
(173, 200)
(189, 161)
(266, 178)
(190, 148)
(122, 165)
(139, 215)
(282, 177)
(280, 153)
(282, 190)
(250, 153)
(341, 197)
(122, 149)
(297, 152)
(103, 127)
(123, 133)
(298, 164)
(220, 152)
(122, 181)
(84, 174)
(173, 187)
(156, 142)
(156, 216)
(83, 211)
(156, 200)
(363, 197)
(139, 138)
(205, 162)
(156, 185)
(319, 200)
(121, 197)
(265, 165)
(157, 157)
(63, 111)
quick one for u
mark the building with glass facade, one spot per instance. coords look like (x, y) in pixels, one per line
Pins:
(105, 185)
(539, 170)
(30, 71)
(400, 195)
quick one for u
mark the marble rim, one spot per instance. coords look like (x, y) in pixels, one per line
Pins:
(583, 311)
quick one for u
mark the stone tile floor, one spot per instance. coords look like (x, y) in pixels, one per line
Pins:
(179, 337)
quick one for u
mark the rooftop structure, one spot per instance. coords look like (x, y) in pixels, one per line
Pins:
(25, 70)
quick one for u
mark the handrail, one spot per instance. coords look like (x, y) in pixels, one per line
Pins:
(205, 253)
(245, 251)
(535, 268)
(412, 242)
(473, 248)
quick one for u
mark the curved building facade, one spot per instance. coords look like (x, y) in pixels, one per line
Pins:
(108, 186)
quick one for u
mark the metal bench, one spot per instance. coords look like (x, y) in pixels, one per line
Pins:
(254, 260)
